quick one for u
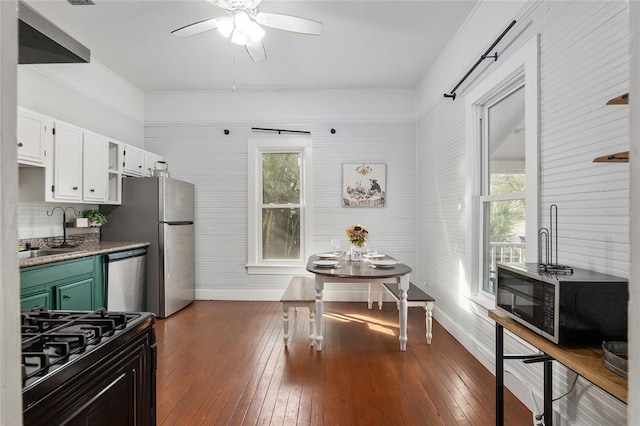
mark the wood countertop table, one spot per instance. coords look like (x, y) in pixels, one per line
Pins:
(359, 272)
(584, 360)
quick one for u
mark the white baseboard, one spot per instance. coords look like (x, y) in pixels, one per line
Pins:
(486, 356)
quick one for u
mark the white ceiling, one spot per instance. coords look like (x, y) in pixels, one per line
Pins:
(364, 44)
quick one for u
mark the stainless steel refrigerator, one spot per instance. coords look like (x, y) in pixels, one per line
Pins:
(159, 210)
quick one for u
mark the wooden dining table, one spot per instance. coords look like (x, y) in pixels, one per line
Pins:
(364, 271)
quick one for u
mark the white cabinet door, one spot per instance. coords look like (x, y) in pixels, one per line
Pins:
(67, 163)
(114, 175)
(133, 161)
(94, 168)
(35, 133)
(150, 162)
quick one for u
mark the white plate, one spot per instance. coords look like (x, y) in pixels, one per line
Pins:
(383, 263)
(325, 263)
(328, 256)
(373, 256)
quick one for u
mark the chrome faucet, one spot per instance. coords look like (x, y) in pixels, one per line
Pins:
(64, 221)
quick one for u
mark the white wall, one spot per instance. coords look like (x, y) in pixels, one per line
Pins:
(372, 127)
(634, 278)
(584, 62)
(86, 95)
(10, 376)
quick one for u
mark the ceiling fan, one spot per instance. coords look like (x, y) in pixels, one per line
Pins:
(244, 24)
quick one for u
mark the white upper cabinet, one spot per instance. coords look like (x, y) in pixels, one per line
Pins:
(114, 174)
(67, 164)
(150, 160)
(35, 134)
(94, 168)
(133, 161)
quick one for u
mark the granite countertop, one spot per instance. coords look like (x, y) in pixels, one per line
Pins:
(87, 249)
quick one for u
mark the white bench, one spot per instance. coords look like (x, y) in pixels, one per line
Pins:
(301, 292)
(415, 297)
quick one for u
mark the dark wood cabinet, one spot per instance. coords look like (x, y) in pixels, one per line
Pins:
(112, 385)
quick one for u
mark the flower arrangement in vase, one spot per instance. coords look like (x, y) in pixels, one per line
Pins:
(357, 236)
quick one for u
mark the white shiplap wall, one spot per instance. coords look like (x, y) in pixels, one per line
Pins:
(584, 53)
(217, 164)
(34, 222)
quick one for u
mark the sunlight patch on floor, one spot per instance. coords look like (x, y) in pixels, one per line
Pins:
(372, 323)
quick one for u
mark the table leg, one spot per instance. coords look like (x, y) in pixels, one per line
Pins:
(285, 322)
(499, 375)
(548, 395)
(312, 324)
(404, 286)
(370, 298)
(319, 311)
(429, 321)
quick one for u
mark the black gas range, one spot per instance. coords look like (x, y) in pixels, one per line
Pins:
(88, 367)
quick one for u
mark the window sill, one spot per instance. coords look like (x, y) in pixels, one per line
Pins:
(483, 301)
(276, 270)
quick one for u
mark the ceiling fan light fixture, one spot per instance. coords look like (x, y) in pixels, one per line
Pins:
(241, 20)
(225, 25)
(256, 33)
(238, 37)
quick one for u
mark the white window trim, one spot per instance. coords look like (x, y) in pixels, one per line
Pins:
(524, 61)
(255, 148)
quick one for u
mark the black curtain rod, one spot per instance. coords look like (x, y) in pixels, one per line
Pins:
(280, 131)
(452, 94)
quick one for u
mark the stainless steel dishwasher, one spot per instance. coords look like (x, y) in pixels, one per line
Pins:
(126, 280)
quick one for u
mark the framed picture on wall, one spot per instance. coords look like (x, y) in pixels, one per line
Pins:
(364, 185)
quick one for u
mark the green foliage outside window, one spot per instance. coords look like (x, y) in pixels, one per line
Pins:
(505, 215)
(280, 224)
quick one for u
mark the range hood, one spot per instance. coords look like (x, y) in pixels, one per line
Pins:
(41, 42)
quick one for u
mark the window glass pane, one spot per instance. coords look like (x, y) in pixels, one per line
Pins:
(280, 233)
(506, 144)
(503, 237)
(280, 178)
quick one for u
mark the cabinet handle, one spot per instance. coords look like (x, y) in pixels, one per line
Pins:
(66, 296)
(75, 188)
(20, 144)
(92, 190)
(140, 166)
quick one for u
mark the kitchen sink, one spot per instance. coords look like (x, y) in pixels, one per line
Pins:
(29, 254)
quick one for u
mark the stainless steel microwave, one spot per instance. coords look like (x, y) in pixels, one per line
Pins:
(582, 308)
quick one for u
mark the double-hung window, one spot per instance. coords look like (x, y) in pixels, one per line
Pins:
(502, 141)
(279, 203)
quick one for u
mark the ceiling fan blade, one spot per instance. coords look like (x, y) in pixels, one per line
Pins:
(289, 23)
(256, 51)
(196, 28)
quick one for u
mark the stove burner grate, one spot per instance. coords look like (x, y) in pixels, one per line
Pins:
(50, 338)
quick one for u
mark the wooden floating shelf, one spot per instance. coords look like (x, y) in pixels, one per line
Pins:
(620, 157)
(620, 100)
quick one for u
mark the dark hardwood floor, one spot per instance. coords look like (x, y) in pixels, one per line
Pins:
(225, 363)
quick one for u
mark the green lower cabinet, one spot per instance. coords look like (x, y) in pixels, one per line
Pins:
(35, 300)
(76, 284)
(76, 296)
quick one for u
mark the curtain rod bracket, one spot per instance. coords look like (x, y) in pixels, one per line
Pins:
(494, 56)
